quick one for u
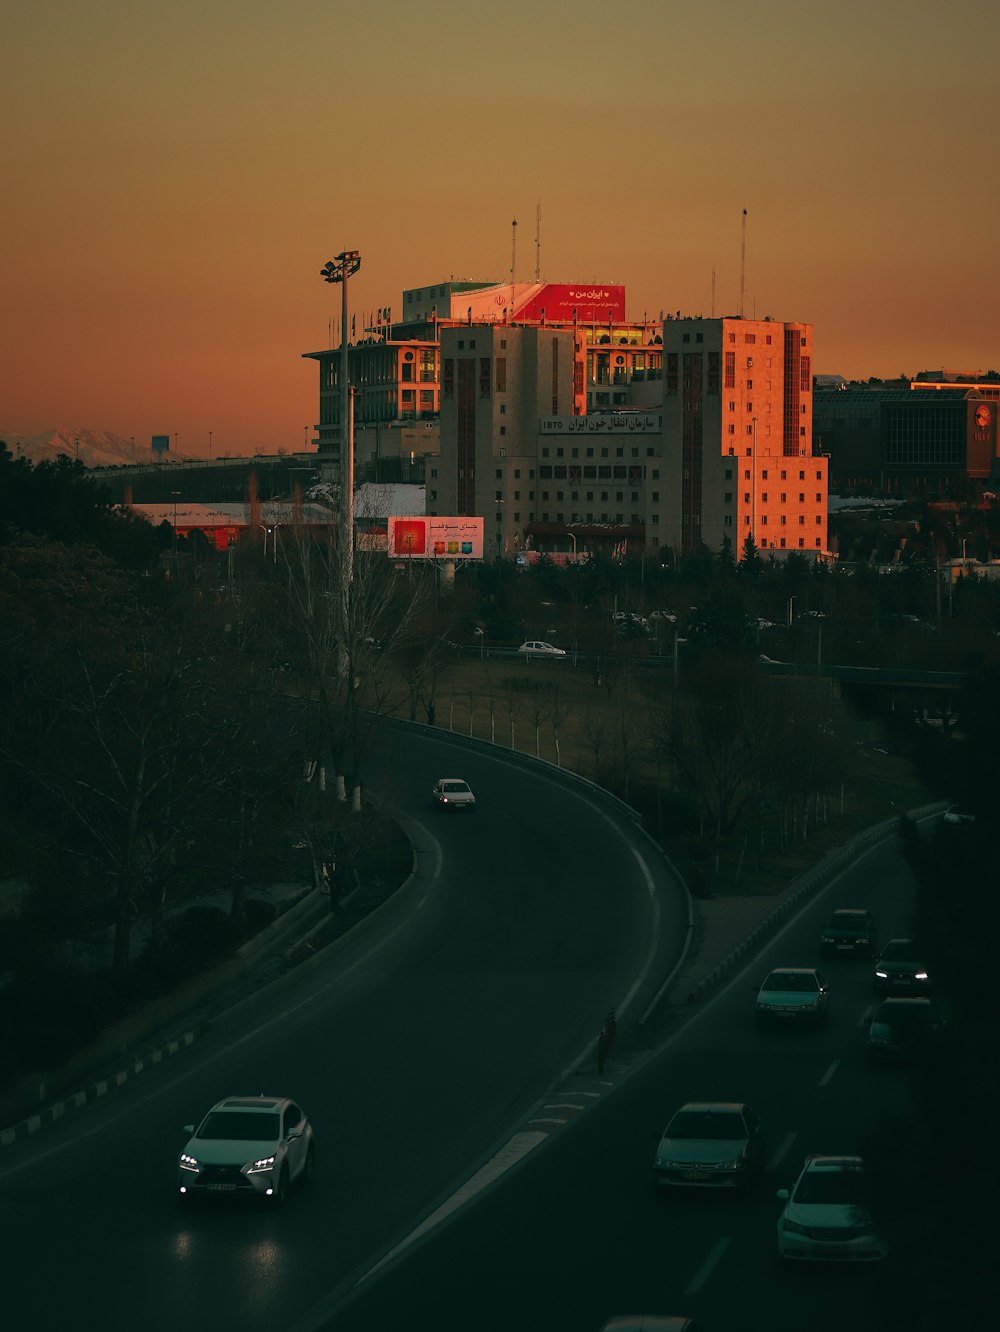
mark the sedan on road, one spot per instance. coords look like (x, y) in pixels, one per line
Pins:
(710, 1144)
(535, 648)
(453, 793)
(251, 1145)
(899, 970)
(901, 1027)
(791, 995)
(849, 930)
(825, 1217)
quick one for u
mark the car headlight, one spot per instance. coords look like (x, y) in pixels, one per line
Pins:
(265, 1163)
(882, 975)
(921, 975)
(187, 1162)
(793, 1227)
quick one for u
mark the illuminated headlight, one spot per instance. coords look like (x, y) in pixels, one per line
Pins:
(882, 975)
(188, 1162)
(921, 975)
(265, 1163)
(793, 1227)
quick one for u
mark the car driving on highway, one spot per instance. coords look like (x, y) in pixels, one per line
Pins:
(254, 1145)
(710, 1144)
(899, 970)
(849, 930)
(791, 995)
(825, 1218)
(453, 793)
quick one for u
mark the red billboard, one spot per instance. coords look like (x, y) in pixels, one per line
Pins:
(591, 302)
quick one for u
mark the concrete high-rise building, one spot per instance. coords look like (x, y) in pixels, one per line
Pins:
(737, 438)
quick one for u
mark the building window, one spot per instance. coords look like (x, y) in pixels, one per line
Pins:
(501, 364)
(746, 497)
(763, 498)
(783, 520)
(763, 520)
(729, 372)
(763, 475)
(731, 429)
(503, 430)
(727, 498)
(727, 520)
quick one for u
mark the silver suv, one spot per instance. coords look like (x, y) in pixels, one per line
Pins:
(247, 1144)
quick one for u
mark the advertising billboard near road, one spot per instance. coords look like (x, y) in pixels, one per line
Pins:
(433, 538)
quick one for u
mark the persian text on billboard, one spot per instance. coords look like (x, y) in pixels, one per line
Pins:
(435, 538)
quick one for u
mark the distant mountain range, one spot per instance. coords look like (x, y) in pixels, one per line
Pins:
(94, 448)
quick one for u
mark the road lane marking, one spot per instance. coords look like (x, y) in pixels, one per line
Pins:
(516, 1149)
(782, 1151)
(829, 1073)
(705, 1271)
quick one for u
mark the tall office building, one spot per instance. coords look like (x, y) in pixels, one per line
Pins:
(737, 437)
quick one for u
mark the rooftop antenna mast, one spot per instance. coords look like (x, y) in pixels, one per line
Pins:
(513, 264)
(538, 242)
(743, 260)
(713, 291)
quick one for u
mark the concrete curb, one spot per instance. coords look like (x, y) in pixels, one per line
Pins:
(809, 883)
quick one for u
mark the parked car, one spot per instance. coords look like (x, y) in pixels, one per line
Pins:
(825, 1218)
(453, 793)
(958, 815)
(901, 1027)
(710, 1144)
(535, 648)
(791, 995)
(899, 970)
(252, 1145)
(849, 930)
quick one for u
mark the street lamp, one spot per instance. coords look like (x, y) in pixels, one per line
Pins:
(344, 266)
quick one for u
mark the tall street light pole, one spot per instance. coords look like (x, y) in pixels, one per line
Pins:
(344, 266)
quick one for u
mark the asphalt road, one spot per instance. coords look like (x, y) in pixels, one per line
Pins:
(414, 1055)
(577, 1234)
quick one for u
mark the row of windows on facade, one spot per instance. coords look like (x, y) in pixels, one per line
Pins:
(590, 453)
(764, 474)
(727, 497)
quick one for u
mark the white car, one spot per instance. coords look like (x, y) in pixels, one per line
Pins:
(535, 648)
(247, 1145)
(453, 793)
(825, 1217)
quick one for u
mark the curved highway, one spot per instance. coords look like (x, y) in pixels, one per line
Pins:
(414, 1053)
(577, 1234)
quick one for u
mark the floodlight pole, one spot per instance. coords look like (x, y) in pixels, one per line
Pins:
(339, 270)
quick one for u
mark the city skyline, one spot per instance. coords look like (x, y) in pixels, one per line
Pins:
(178, 175)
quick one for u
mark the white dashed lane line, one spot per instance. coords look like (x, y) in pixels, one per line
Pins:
(782, 1152)
(705, 1271)
(829, 1073)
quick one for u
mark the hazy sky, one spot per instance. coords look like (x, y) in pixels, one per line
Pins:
(176, 172)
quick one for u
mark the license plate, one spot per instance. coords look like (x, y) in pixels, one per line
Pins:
(221, 1188)
(900, 980)
(845, 948)
(696, 1174)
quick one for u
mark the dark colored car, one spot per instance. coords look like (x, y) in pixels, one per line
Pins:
(849, 930)
(901, 1027)
(710, 1144)
(899, 970)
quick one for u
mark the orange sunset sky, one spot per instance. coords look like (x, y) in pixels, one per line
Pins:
(175, 174)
